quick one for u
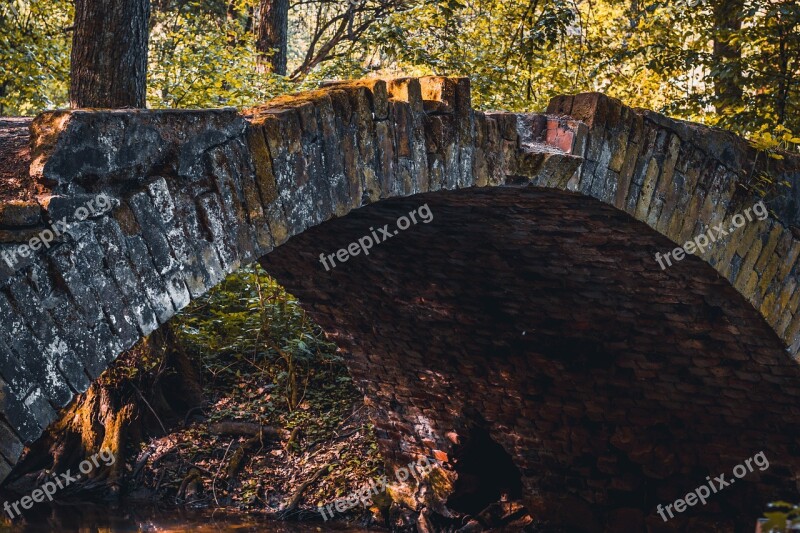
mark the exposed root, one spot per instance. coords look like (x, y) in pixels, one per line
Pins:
(292, 439)
(237, 458)
(116, 424)
(302, 488)
(190, 486)
(245, 429)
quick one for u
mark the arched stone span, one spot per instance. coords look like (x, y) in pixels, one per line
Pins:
(201, 192)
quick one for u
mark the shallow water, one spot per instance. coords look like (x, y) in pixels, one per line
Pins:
(90, 519)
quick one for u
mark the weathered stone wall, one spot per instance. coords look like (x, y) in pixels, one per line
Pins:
(684, 179)
(197, 194)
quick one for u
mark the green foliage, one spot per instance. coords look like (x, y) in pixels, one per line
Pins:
(657, 54)
(770, 146)
(661, 56)
(652, 53)
(774, 141)
(513, 51)
(250, 319)
(782, 516)
(200, 58)
(264, 360)
(136, 366)
(34, 55)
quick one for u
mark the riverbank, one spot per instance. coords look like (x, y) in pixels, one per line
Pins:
(88, 517)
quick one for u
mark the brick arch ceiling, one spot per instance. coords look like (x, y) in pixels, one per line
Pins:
(541, 317)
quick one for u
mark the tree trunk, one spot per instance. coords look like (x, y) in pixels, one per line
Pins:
(151, 388)
(786, 72)
(109, 54)
(727, 56)
(272, 36)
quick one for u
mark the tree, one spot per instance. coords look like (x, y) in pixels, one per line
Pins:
(517, 53)
(728, 63)
(727, 55)
(109, 54)
(34, 55)
(272, 37)
(333, 31)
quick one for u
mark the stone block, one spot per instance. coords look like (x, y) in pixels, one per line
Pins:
(64, 263)
(213, 220)
(32, 354)
(80, 339)
(262, 162)
(10, 446)
(152, 231)
(162, 199)
(124, 145)
(20, 213)
(91, 262)
(57, 353)
(112, 242)
(153, 284)
(407, 90)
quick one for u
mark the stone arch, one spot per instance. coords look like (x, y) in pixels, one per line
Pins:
(199, 193)
(540, 317)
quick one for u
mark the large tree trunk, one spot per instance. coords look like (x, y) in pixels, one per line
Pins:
(272, 36)
(727, 55)
(109, 53)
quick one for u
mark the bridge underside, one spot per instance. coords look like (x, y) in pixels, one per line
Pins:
(540, 321)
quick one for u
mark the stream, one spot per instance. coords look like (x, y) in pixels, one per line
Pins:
(96, 518)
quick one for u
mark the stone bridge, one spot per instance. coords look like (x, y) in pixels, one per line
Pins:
(526, 336)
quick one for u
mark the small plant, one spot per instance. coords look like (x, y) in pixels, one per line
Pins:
(781, 517)
(770, 145)
(251, 319)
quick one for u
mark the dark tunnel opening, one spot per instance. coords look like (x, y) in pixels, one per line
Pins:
(486, 474)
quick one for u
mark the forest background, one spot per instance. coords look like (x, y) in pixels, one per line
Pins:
(728, 63)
